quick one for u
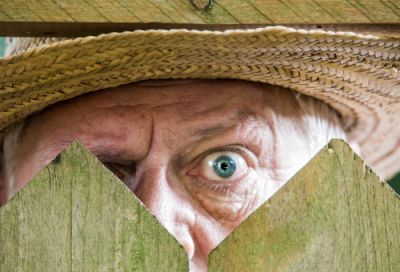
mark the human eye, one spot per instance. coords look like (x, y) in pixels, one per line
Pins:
(221, 167)
(223, 182)
(125, 172)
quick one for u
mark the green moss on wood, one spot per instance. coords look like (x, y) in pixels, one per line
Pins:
(77, 216)
(334, 215)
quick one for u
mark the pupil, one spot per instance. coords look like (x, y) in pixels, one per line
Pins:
(224, 166)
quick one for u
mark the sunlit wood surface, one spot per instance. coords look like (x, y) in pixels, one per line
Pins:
(77, 216)
(334, 215)
(77, 18)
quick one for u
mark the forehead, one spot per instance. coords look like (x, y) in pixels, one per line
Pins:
(172, 104)
(169, 115)
(179, 94)
(188, 98)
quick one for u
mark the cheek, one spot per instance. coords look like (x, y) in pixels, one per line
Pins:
(230, 205)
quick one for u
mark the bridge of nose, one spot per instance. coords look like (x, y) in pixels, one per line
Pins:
(170, 205)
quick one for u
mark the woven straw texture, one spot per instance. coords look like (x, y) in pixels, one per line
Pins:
(355, 74)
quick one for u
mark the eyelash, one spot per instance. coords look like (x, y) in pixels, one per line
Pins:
(221, 187)
(120, 170)
(231, 148)
(123, 172)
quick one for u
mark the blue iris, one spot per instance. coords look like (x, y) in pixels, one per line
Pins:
(224, 166)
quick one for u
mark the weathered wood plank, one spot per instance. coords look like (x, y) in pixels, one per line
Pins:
(238, 12)
(309, 11)
(220, 11)
(82, 18)
(77, 216)
(334, 215)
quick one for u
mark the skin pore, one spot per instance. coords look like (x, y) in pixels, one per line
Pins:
(170, 142)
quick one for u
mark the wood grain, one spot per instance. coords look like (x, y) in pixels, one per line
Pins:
(138, 14)
(187, 11)
(77, 216)
(334, 215)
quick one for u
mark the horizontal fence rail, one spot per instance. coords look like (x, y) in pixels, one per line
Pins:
(203, 11)
(82, 18)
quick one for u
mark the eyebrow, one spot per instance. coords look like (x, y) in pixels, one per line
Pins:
(240, 117)
(215, 130)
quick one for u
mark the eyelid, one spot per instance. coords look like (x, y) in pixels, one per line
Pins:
(127, 170)
(119, 159)
(249, 156)
(221, 187)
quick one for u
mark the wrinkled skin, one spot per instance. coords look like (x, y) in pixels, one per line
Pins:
(158, 137)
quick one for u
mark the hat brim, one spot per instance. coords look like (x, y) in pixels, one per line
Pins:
(357, 75)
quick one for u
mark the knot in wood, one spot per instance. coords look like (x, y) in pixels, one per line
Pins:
(202, 4)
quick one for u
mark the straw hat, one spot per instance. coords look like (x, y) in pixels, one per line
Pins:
(358, 75)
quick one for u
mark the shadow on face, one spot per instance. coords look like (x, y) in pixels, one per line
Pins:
(200, 154)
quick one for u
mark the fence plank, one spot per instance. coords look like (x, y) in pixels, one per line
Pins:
(77, 216)
(334, 215)
(83, 18)
(186, 11)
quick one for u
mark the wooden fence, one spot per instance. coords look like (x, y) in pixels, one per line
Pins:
(79, 18)
(334, 215)
(75, 215)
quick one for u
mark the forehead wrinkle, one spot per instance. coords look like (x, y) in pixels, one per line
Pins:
(201, 113)
(215, 130)
(119, 155)
(175, 105)
(119, 105)
(241, 117)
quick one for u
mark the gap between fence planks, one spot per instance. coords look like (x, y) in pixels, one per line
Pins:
(77, 216)
(334, 215)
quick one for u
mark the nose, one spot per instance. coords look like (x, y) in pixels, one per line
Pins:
(165, 199)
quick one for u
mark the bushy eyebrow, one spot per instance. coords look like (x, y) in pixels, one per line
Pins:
(212, 131)
(239, 118)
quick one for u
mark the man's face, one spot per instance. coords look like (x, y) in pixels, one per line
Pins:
(201, 155)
